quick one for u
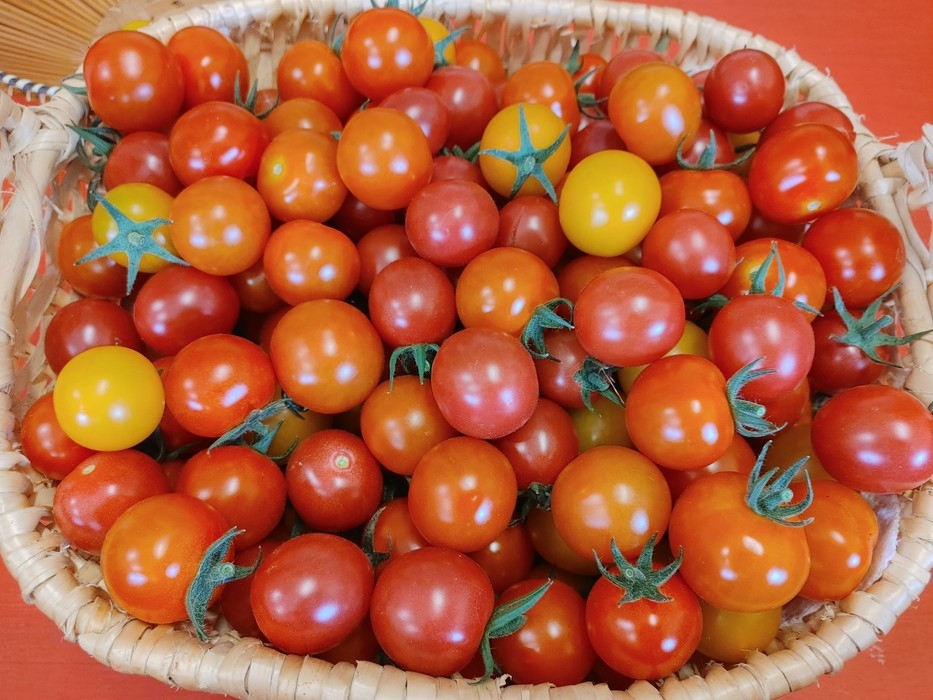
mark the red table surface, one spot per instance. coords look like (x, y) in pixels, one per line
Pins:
(881, 54)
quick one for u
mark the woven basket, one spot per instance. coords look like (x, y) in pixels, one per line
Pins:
(37, 153)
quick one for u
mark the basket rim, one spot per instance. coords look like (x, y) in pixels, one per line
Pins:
(916, 527)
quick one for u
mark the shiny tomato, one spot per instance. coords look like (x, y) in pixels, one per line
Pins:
(311, 68)
(220, 225)
(133, 82)
(108, 398)
(744, 91)
(608, 202)
(875, 438)
(311, 592)
(809, 112)
(393, 532)
(462, 494)
(739, 457)
(481, 57)
(427, 108)
(92, 496)
(152, 552)
(839, 365)
(334, 481)
(602, 425)
(610, 493)
(377, 248)
(729, 637)
(87, 323)
(471, 101)
(215, 381)
(214, 67)
(552, 548)
(429, 609)
(721, 193)
(598, 135)
(693, 341)
(532, 223)
(556, 377)
(327, 355)
(301, 113)
(246, 487)
(43, 442)
(508, 558)
(547, 83)
(621, 63)
(574, 274)
(541, 448)
(142, 156)
(100, 277)
(484, 382)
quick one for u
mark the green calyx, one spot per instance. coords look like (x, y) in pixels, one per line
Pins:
(770, 496)
(865, 331)
(596, 377)
(249, 103)
(213, 572)
(255, 432)
(546, 317)
(134, 239)
(507, 619)
(528, 159)
(639, 581)
(749, 416)
(441, 45)
(536, 495)
(707, 160)
(412, 359)
(761, 274)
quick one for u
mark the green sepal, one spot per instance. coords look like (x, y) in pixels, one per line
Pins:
(596, 377)
(749, 416)
(639, 581)
(101, 140)
(441, 45)
(528, 159)
(707, 160)
(769, 495)
(413, 359)
(536, 495)
(470, 154)
(249, 103)
(134, 239)
(760, 275)
(74, 83)
(214, 572)
(865, 332)
(255, 425)
(545, 318)
(507, 618)
(574, 62)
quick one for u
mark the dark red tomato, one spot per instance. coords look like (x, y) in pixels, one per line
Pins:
(621, 63)
(692, 249)
(429, 609)
(327, 355)
(246, 487)
(502, 287)
(875, 438)
(484, 382)
(101, 277)
(253, 290)
(721, 193)
(400, 421)
(462, 494)
(306, 260)
(311, 593)
(547, 83)
(216, 138)
(384, 50)
(808, 113)
(334, 481)
(677, 412)
(629, 316)
(142, 156)
(214, 67)
(311, 68)
(543, 446)
(234, 602)
(471, 100)
(790, 266)
(578, 272)
(93, 495)
(412, 301)
(179, 303)
(552, 646)
(708, 136)
(861, 252)
(152, 553)
(532, 223)
(744, 90)
(45, 444)
(298, 176)
(508, 558)
(87, 323)
(220, 225)
(394, 533)
(768, 331)
(802, 172)
(598, 135)
(133, 82)
(427, 108)
(837, 365)
(301, 113)
(644, 639)
(384, 158)
(377, 249)
(215, 381)
(356, 218)
(556, 377)
(450, 222)
(610, 493)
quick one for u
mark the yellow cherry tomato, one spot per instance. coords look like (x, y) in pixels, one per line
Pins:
(729, 637)
(438, 32)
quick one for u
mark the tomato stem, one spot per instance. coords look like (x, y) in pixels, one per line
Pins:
(415, 358)
(537, 495)
(214, 572)
(544, 318)
(748, 415)
(641, 580)
(596, 377)
(255, 424)
(769, 494)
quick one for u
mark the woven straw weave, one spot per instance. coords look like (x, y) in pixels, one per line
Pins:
(37, 153)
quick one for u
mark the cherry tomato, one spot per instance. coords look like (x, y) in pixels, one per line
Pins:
(481, 57)
(412, 301)
(214, 67)
(394, 533)
(721, 193)
(87, 323)
(427, 108)
(301, 113)
(311, 68)
(471, 100)
(744, 91)
(546, 83)
(541, 448)
(100, 277)
(556, 377)
(552, 548)
(377, 248)
(532, 223)
(141, 156)
(508, 558)
(43, 442)
(729, 637)
(809, 112)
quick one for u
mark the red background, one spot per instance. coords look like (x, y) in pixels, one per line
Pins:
(881, 54)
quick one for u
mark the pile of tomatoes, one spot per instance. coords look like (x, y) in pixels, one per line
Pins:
(569, 373)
